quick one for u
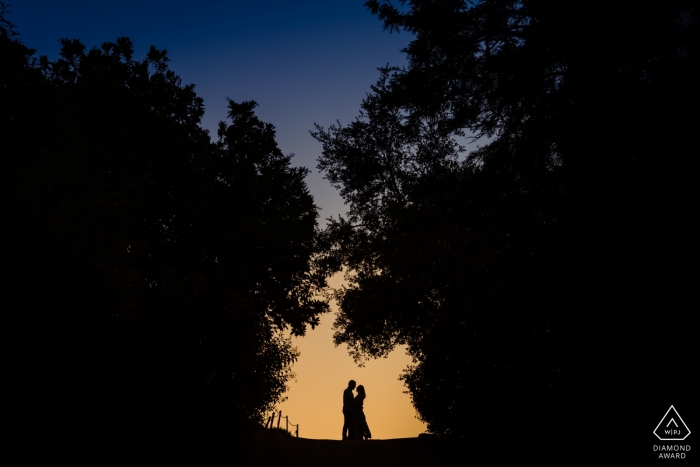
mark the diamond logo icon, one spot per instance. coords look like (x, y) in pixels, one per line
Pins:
(672, 427)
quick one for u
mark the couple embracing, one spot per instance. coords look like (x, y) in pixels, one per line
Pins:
(355, 424)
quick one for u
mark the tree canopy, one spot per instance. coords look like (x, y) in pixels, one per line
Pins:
(520, 271)
(171, 262)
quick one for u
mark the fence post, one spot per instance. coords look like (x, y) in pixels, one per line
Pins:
(272, 420)
(287, 421)
(297, 430)
(279, 419)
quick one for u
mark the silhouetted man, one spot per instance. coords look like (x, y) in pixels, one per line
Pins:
(348, 401)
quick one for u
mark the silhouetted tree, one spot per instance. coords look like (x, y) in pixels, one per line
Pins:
(516, 275)
(6, 26)
(170, 262)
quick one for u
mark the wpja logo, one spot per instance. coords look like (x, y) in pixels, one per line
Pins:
(671, 428)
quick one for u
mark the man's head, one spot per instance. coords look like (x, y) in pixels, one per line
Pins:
(352, 384)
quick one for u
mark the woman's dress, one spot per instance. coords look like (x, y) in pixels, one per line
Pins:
(360, 429)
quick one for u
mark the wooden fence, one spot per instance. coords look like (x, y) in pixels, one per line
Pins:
(271, 420)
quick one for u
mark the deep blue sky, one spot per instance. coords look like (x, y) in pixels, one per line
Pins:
(303, 61)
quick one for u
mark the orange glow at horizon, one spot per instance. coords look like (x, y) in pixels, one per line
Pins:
(322, 373)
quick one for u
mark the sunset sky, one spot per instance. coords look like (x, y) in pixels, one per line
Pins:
(303, 62)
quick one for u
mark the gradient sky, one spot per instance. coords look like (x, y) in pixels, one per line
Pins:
(304, 61)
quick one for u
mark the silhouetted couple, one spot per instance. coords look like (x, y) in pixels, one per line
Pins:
(355, 424)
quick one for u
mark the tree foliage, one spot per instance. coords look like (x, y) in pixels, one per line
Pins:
(177, 259)
(514, 274)
(6, 26)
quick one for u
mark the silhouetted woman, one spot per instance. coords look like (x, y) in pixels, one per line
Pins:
(359, 423)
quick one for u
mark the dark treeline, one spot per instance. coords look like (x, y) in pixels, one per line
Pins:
(148, 270)
(540, 283)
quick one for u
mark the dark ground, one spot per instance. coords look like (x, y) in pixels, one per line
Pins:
(404, 452)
